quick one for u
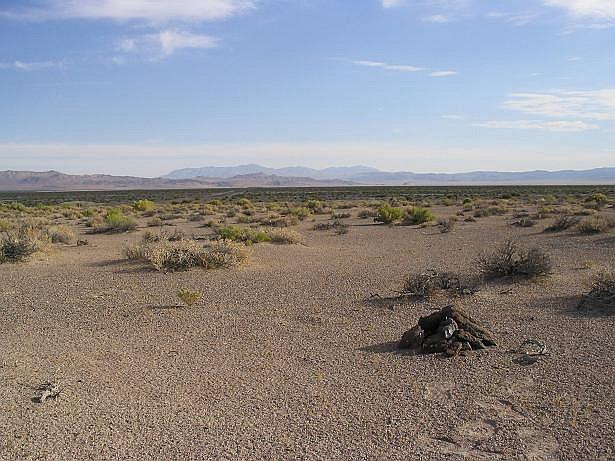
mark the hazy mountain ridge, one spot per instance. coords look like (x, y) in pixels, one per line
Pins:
(293, 171)
(56, 181)
(358, 175)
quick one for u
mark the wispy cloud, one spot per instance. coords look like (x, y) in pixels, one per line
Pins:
(385, 66)
(164, 43)
(392, 3)
(549, 125)
(604, 9)
(452, 117)
(436, 18)
(443, 73)
(32, 66)
(157, 11)
(402, 68)
(590, 104)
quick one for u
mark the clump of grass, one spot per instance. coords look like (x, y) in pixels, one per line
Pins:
(343, 215)
(595, 225)
(61, 234)
(300, 212)
(188, 297)
(180, 255)
(388, 214)
(417, 215)
(602, 293)
(5, 225)
(285, 236)
(114, 221)
(562, 223)
(17, 245)
(245, 235)
(509, 260)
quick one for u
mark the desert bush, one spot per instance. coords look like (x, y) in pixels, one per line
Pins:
(597, 199)
(367, 213)
(154, 222)
(114, 221)
(388, 214)
(188, 297)
(285, 236)
(5, 225)
(170, 256)
(245, 203)
(18, 244)
(242, 234)
(446, 224)
(417, 215)
(562, 223)
(143, 205)
(61, 234)
(595, 225)
(427, 283)
(602, 293)
(510, 260)
(524, 222)
(299, 212)
(338, 226)
(340, 215)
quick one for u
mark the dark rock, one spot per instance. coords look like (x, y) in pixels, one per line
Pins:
(412, 339)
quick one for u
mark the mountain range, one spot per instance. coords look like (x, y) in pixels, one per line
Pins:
(260, 176)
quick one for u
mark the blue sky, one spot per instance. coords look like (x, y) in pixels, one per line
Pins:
(146, 86)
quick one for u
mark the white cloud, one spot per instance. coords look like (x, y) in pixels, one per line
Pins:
(591, 104)
(157, 11)
(586, 8)
(164, 43)
(436, 18)
(391, 3)
(383, 65)
(31, 66)
(452, 117)
(550, 125)
(443, 73)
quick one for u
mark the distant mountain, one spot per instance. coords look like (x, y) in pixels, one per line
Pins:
(296, 171)
(292, 177)
(594, 176)
(55, 181)
(372, 176)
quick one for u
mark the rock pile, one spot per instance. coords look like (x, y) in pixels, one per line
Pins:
(449, 330)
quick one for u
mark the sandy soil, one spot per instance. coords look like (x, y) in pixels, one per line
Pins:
(283, 358)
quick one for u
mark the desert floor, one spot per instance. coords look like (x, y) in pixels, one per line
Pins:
(285, 358)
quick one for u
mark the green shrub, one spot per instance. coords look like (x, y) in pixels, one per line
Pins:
(300, 212)
(188, 297)
(242, 234)
(388, 214)
(114, 221)
(143, 205)
(418, 215)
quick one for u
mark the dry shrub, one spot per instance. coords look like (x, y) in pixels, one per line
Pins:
(427, 283)
(285, 236)
(602, 293)
(366, 213)
(61, 234)
(595, 225)
(562, 223)
(447, 224)
(179, 255)
(510, 260)
(18, 244)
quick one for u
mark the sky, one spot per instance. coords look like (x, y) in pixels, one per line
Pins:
(142, 87)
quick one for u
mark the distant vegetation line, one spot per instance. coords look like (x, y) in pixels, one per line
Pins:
(299, 193)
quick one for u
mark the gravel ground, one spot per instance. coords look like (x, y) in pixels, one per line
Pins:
(284, 358)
